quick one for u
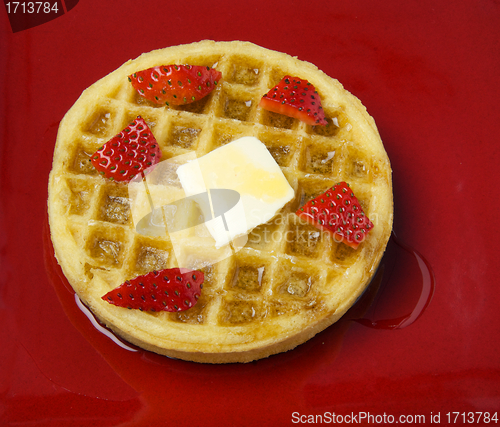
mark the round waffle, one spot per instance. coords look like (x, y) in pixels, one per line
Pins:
(290, 281)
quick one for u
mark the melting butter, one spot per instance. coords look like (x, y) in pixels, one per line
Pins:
(234, 168)
(246, 166)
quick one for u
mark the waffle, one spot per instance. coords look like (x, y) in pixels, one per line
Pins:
(289, 281)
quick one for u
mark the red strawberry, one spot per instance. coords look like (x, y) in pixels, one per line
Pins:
(338, 211)
(175, 84)
(296, 98)
(128, 153)
(171, 289)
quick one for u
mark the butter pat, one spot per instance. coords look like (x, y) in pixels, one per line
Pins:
(245, 166)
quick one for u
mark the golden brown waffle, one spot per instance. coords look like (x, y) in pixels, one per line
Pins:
(290, 281)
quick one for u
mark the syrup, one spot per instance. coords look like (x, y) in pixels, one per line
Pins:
(100, 328)
(400, 291)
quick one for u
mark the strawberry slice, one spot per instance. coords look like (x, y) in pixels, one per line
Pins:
(175, 84)
(338, 211)
(295, 98)
(173, 289)
(128, 153)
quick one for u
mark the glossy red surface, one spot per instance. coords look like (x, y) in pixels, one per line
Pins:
(422, 341)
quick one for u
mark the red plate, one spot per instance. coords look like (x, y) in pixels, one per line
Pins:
(421, 342)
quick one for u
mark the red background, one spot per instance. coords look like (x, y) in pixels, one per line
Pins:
(428, 73)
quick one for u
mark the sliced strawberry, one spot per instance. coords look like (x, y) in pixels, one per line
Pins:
(295, 98)
(128, 153)
(175, 84)
(338, 211)
(171, 289)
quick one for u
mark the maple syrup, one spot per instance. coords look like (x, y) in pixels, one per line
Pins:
(400, 291)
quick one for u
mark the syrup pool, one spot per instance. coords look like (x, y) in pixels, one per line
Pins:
(100, 328)
(400, 291)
